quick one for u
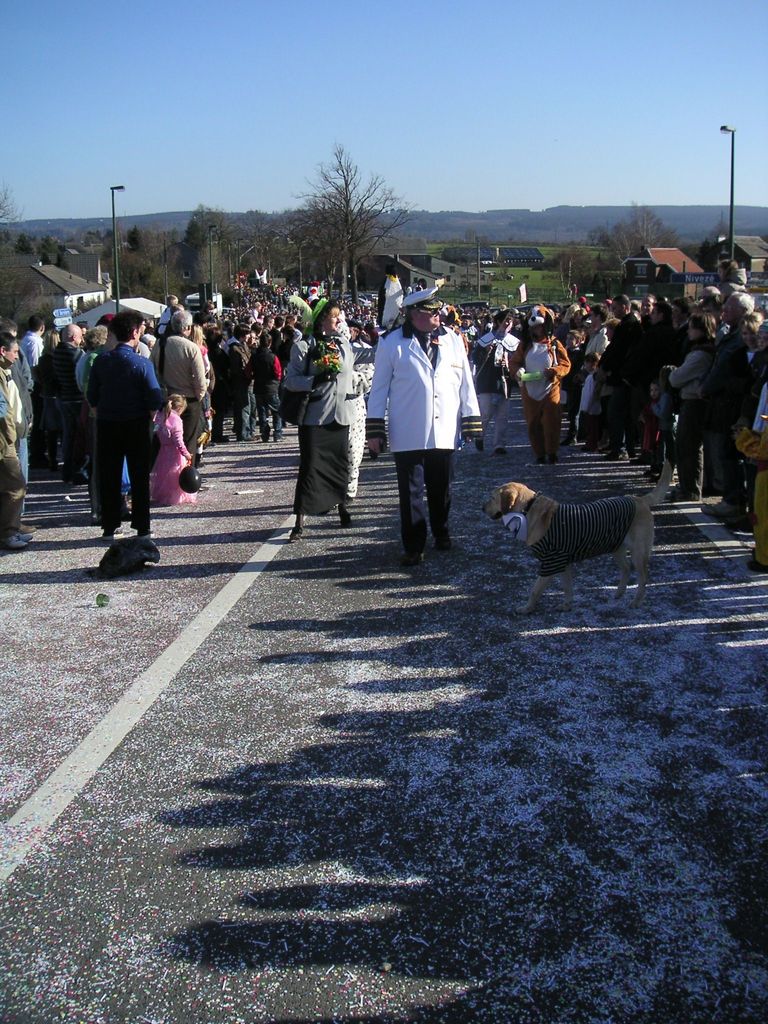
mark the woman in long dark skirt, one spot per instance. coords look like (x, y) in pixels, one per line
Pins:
(323, 366)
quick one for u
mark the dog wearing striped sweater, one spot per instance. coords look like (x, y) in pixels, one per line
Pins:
(560, 534)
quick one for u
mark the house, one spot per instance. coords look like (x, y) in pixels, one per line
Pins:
(185, 261)
(58, 287)
(373, 269)
(652, 268)
(751, 252)
(83, 264)
(16, 260)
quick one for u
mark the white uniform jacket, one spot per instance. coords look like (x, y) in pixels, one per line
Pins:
(426, 406)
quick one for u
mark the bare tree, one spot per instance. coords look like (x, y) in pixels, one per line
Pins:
(268, 235)
(642, 228)
(8, 210)
(350, 215)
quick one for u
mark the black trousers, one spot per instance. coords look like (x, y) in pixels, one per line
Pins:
(37, 448)
(117, 440)
(416, 471)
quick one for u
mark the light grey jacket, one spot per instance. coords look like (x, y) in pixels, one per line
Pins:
(689, 376)
(333, 400)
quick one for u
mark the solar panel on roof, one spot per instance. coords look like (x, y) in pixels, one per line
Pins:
(521, 254)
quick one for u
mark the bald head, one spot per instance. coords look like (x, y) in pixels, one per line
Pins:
(72, 334)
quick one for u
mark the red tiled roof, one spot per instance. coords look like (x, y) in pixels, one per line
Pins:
(675, 258)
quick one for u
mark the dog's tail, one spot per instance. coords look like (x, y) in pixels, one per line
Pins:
(657, 495)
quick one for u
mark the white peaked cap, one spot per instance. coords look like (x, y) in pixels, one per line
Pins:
(427, 295)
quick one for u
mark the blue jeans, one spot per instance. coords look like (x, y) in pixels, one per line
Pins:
(267, 404)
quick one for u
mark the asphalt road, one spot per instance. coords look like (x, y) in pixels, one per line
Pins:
(273, 782)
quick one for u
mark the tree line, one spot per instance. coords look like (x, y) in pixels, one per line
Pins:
(343, 217)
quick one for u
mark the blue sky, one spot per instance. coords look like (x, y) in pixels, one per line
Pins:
(468, 106)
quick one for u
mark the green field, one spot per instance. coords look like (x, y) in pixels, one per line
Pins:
(543, 285)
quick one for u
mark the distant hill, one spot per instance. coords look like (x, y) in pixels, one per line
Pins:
(74, 227)
(554, 225)
(573, 223)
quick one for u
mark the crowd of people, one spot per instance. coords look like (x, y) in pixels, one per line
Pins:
(126, 406)
(642, 381)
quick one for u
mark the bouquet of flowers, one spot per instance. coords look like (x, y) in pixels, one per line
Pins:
(327, 359)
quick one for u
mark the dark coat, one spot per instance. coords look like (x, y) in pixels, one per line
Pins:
(727, 383)
(626, 337)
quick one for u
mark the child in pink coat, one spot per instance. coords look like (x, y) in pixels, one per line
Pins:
(172, 457)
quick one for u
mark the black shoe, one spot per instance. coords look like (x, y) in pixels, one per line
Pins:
(551, 459)
(741, 523)
(345, 519)
(756, 566)
(296, 534)
(499, 451)
(412, 558)
(443, 543)
(541, 460)
(566, 441)
(479, 443)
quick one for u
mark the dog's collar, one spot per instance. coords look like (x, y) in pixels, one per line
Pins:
(527, 508)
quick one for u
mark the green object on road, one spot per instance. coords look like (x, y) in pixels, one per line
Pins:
(102, 600)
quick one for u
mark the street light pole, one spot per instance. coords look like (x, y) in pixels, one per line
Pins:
(115, 255)
(211, 229)
(727, 130)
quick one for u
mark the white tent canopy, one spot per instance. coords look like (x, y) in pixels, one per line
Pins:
(146, 307)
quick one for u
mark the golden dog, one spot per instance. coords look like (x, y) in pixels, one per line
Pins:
(622, 527)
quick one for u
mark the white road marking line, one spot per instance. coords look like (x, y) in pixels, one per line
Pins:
(29, 825)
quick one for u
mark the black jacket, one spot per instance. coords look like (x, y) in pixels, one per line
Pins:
(266, 370)
(626, 337)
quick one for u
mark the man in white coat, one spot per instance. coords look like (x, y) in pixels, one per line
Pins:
(423, 382)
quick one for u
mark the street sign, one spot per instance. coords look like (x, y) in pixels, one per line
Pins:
(694, 278)
(64, 311)
(62, 321)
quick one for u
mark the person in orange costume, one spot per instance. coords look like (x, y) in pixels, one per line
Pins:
(540, 363)
(755, 446)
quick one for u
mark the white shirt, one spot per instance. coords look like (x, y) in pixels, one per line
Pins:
(32, 347)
